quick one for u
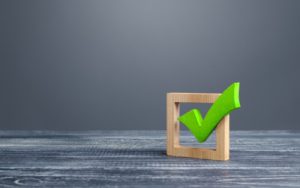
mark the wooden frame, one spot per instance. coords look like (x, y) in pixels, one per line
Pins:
(221, 152)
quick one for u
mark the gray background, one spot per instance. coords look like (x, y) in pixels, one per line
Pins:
(80, 65)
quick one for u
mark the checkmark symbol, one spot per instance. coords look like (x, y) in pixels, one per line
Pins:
(225, 103)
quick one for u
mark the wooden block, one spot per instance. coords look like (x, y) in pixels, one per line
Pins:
(221, 152)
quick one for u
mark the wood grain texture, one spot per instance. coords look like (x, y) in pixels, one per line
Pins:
(174, 148)
(194, 97)
(138, 159)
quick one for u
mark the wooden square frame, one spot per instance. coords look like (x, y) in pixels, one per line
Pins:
(221, 152)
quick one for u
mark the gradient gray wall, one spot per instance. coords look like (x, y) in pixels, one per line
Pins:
(80, 65)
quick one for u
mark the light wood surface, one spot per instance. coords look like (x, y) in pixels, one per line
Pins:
(174, 148)
(193, 97)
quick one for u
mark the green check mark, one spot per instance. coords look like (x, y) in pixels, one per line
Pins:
(202, 128)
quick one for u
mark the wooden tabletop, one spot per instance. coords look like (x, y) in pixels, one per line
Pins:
(138, 158)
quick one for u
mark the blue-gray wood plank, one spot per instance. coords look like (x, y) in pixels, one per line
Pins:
(138, 158)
